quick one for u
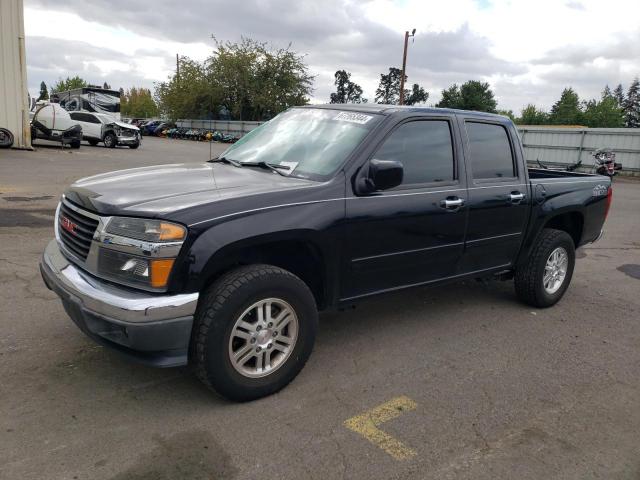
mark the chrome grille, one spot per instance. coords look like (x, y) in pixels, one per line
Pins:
(76, 229)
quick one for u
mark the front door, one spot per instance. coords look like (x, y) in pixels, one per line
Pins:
(414, 233)
(498, 202)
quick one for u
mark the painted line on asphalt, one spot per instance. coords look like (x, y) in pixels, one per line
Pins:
(366, 424)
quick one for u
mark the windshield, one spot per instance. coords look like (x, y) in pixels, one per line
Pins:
(312, 142)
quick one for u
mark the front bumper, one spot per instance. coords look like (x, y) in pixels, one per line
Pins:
(150, 328)
(128, 140)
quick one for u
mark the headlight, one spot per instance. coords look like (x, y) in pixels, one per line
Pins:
(146, 230)
(139, 252)
(135, 270)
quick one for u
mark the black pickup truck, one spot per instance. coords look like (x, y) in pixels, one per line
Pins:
(225, 265)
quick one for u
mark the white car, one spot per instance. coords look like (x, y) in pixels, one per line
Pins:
(99, 127)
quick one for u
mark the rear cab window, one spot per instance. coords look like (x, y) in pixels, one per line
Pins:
(491, 152)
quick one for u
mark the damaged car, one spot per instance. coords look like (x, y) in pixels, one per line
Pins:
(100, 127)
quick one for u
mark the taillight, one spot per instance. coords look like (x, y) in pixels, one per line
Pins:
(609, 200)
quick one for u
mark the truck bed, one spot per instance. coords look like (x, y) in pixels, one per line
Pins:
(543, 174)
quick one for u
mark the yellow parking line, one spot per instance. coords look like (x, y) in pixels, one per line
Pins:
(366, 424)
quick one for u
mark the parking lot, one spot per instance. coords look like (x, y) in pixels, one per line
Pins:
(460, 381)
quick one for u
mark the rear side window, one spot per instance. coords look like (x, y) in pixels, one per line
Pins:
(425, 149)
(490, 151)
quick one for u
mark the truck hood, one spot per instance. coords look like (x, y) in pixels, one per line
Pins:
(162, 190)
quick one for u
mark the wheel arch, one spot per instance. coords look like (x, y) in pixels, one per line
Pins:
(295, 252)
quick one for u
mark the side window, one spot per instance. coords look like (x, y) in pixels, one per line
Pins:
(490, 151)
(425, 149)
(76, 116)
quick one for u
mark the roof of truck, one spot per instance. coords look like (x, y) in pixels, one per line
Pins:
(390, 109)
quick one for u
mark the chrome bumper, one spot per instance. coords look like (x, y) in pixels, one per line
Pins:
(154, 328)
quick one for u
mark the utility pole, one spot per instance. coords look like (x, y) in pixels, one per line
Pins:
(404, 62)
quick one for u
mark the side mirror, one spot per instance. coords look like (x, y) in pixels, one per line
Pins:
(379, 175)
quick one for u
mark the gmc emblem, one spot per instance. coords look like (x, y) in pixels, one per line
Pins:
(68, 225)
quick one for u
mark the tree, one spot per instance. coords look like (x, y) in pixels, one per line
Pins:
(106, 86)
(246, 79)
(566, 111)
(618, 94)
(138, 102)
(346, 90)
(416, 95)
(507, 113)
(69, 84)
(44, 93)
(631, 105)
(604, 113)
(531, 115)
(388, 91)
(472, 95)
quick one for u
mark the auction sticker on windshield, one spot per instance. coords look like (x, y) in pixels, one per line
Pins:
(353, 117)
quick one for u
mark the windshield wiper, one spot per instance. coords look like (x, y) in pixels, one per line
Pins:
(235, 163)
(274, 167)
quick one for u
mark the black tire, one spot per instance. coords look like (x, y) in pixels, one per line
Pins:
(219, 308)
(110, 140)
(135, 145)
(6, 138)
(529, 277)
(75, 144)
(93, 143)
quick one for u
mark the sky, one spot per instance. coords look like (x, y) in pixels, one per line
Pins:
(527, 50)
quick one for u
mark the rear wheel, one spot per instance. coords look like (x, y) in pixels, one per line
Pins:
(110, 140)
(93, 143)
(542, 281)
(75, 144)
(254, 330)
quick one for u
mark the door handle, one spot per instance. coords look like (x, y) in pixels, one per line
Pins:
(452, 203)
(516, 197)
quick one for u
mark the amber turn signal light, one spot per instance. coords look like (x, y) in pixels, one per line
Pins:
(171, 231)
(160, 270)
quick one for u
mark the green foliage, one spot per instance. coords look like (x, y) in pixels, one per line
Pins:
(416, 95)
(603, 114)
(44, 93)
(472, 95)
(566, 111)
(248, 79)
(631, 105)
(138, 102)
(346, 90)
(63, 85)
(507, 113)
(618, 94)
(388, 91)
(531, 115)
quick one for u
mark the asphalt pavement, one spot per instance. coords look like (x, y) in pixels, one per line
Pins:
(454, 382)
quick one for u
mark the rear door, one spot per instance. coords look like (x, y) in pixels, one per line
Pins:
(498, 198)
(91, 125)
(414, 233)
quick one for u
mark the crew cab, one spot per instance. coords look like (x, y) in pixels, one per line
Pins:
(225, 265)
(100, 127)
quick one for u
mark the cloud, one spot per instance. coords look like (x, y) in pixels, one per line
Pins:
(528, 51)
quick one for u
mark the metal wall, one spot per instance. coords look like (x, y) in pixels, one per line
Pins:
(232, 127)
(563, 146)
(14, 110)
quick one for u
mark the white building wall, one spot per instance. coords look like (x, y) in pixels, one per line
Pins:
(14, 110)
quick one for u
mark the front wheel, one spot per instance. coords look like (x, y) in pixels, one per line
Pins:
(254, 330)
(546, 275)
(110, 140)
